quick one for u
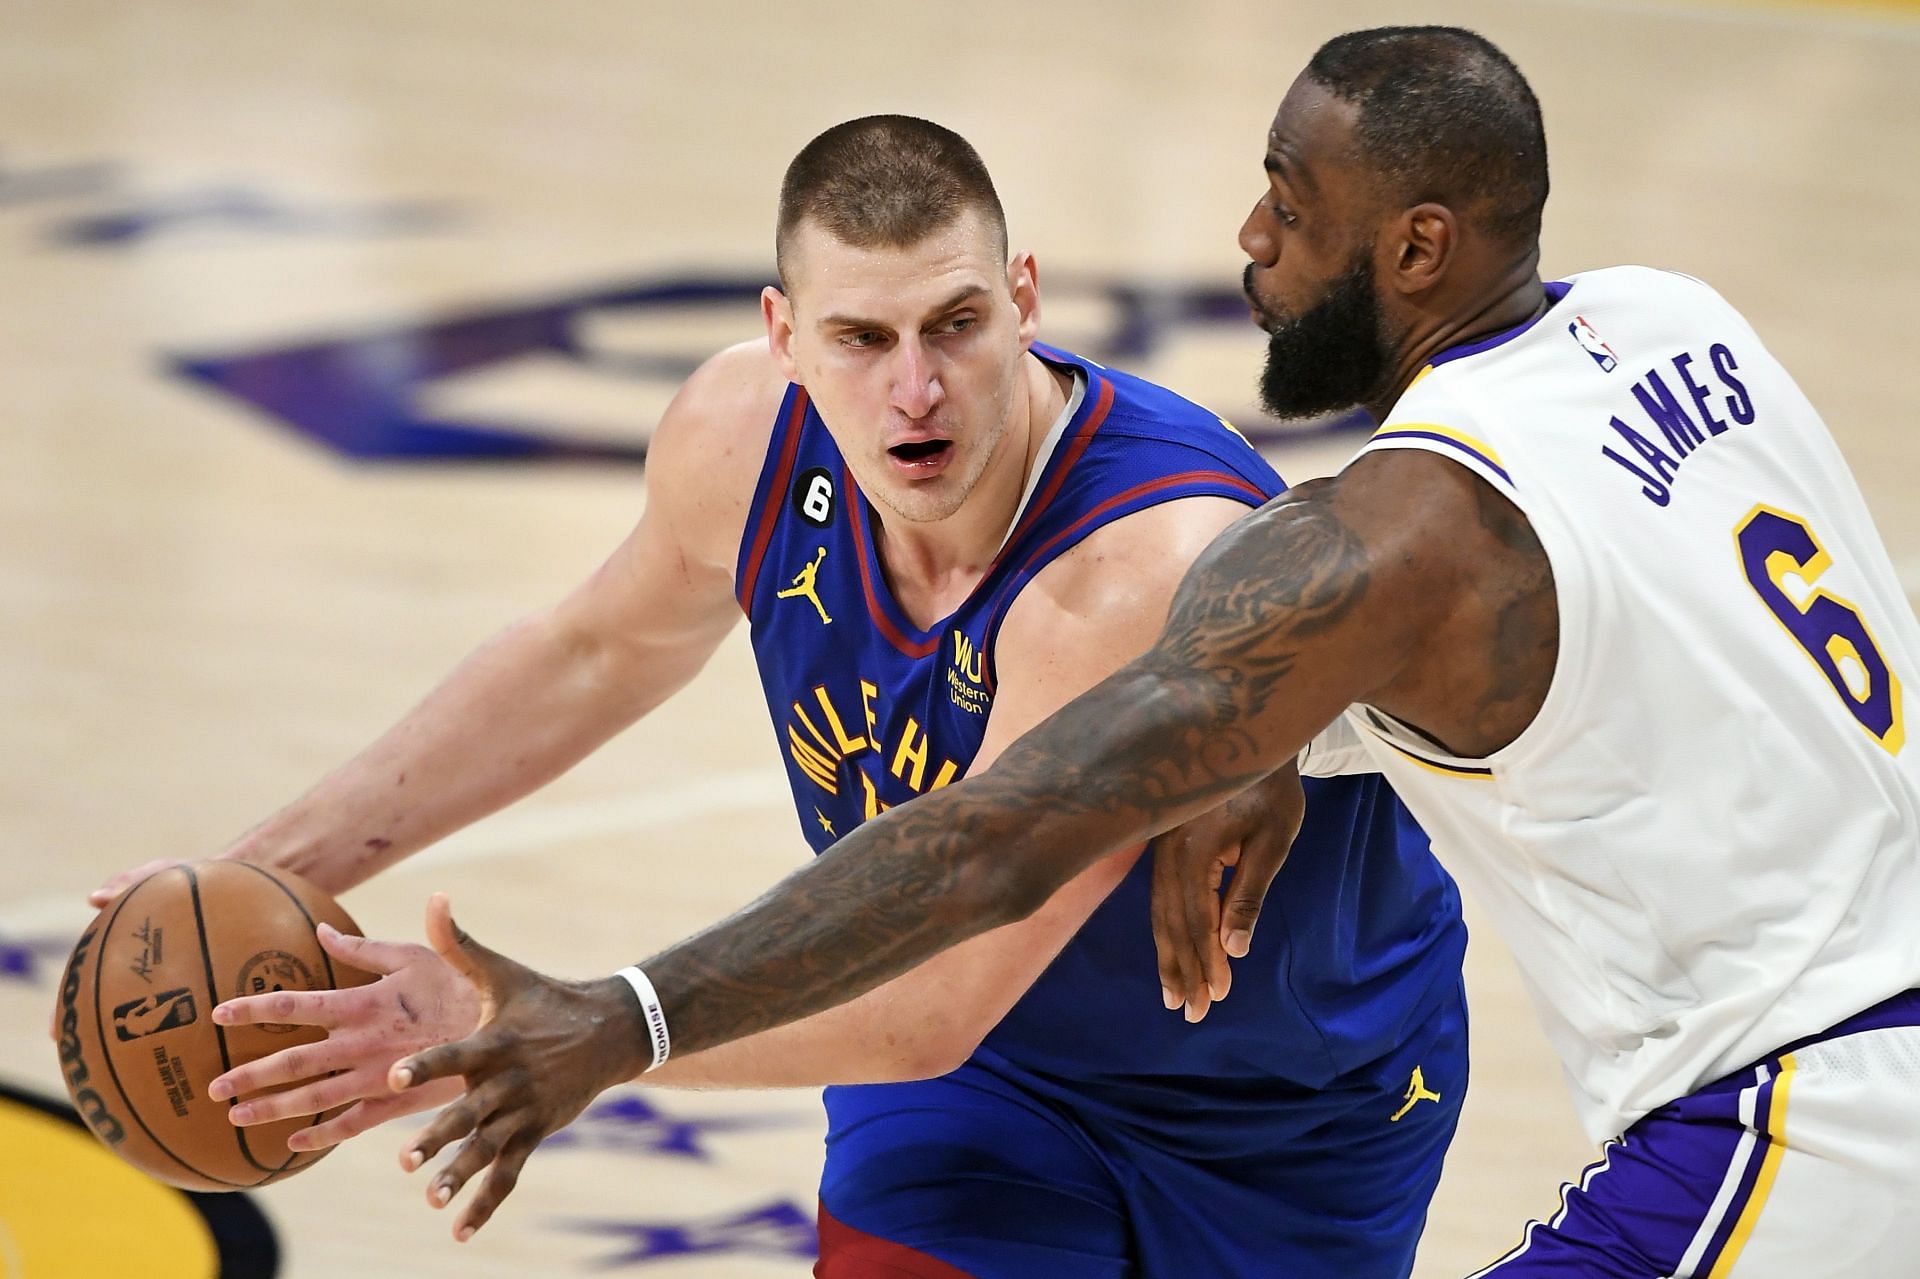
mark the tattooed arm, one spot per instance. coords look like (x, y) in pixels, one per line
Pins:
(1328, 595)
(1286, 619)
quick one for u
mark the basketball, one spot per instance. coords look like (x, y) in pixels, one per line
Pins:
(138, 1044)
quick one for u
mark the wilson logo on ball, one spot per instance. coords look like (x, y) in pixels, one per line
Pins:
(73, 1062)
(151, 1014)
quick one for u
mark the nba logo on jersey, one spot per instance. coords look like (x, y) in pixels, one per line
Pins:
(1590, 342)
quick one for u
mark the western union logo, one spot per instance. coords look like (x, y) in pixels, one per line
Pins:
(966, 677)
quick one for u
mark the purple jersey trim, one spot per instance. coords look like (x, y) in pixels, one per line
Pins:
(1398, 433)
(1556, 289)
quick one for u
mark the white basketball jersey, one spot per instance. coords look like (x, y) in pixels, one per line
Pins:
(1707, 844)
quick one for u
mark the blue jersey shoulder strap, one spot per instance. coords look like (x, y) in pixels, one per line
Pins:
(1140, 446)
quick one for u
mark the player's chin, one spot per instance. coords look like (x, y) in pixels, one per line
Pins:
(925, 499)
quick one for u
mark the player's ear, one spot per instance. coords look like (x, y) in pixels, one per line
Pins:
(1023, 282)
(777, 310)
(1425, 238)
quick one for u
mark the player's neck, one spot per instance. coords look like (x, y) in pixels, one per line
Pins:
(1508, 300)
(933, 567)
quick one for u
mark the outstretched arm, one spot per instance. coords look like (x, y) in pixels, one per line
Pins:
(1311, 603)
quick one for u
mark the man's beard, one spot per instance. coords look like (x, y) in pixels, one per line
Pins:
(1330, 357)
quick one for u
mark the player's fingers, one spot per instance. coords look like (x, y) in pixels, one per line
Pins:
(478, 1151)
(1168, 928)
(365, 953)
(327, 1008)
(1264, 854)
(288, 1066)
(471, 1057)
(1181, 867)
(112, 888)
(458, 1120)
(1197, 1005)
(1217, 972)
(1193, 977)
(372, 1111)
(499, 1183)
(486, 969)
(1199, 996)
(1201, 904)
(310, 1099)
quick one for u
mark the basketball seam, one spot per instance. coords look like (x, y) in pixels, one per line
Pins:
(106, 1054)
(226, 1060)
(326, 962)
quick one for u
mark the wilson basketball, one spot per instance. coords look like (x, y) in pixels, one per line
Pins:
(138, 1044)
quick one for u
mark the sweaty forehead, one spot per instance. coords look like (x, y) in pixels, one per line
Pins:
(964, 243)
(1310, 142)
(888, 283)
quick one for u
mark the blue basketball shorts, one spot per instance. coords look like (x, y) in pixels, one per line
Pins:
(972, 1174)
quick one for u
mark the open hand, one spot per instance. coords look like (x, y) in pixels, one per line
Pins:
(419, 1001)
(544, 1050)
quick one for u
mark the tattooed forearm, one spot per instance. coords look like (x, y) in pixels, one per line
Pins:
(1193, 721)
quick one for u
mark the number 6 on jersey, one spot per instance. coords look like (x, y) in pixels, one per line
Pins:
(1774, 546)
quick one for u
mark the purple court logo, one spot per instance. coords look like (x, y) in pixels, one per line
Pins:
(22, 960)
(478, 385)
(781, 1229)
(626, 1123)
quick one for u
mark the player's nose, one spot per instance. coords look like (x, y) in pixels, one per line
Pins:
(915, 389)
(1256, 241)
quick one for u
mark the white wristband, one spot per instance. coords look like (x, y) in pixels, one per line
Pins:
(650, 1009)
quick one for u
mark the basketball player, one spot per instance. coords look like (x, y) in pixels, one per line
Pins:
(1604, 602)
(939, 532)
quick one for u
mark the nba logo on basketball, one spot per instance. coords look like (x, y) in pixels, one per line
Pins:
(1590, 342)
(153, 1013)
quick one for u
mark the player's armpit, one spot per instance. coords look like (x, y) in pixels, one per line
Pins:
(1339, 751)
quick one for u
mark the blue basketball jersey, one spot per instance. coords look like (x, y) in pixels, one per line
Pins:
(1361, 940)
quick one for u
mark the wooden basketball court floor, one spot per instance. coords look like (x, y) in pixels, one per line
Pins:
(202, 607)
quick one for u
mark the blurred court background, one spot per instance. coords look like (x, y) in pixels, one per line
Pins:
(330, 339)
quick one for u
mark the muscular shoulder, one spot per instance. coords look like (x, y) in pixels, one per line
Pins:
(1435, 581)
(705, 457)
(1112, 590)
(1422, 515)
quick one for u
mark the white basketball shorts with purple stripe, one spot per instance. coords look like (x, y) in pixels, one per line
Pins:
(1805, 1164)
